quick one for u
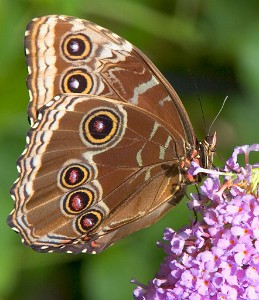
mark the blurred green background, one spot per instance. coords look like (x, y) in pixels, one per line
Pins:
(207, 46)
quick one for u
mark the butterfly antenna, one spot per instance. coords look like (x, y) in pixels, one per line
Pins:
(202, 111)
(212, 123)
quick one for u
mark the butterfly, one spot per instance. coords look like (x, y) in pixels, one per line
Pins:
(110, 142)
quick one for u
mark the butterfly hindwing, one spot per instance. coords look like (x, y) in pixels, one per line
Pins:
(91, 172)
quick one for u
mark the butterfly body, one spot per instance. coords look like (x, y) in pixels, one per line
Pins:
(105, 153)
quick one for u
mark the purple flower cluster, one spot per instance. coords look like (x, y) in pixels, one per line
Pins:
(218, 256)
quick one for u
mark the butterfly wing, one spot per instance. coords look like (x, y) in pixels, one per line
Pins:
(70, 55)
(94, 170)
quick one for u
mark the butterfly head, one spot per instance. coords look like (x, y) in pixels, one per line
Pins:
(206, 150)
(202, 155)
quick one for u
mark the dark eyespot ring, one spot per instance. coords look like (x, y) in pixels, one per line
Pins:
(73, 175)
(89, 221)
(76, 46)
(77, 81)
(100, 126)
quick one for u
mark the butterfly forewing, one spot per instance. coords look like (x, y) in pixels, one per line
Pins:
(110, 66)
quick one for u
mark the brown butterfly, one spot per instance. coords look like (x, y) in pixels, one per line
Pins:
(110, 141)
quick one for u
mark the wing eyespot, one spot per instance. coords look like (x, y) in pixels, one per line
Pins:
(78, 200)
(100, 126)
(77, 81)
(73, 175)
(89, 221)
(76, 46)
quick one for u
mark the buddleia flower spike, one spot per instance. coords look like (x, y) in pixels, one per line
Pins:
(216, 257)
